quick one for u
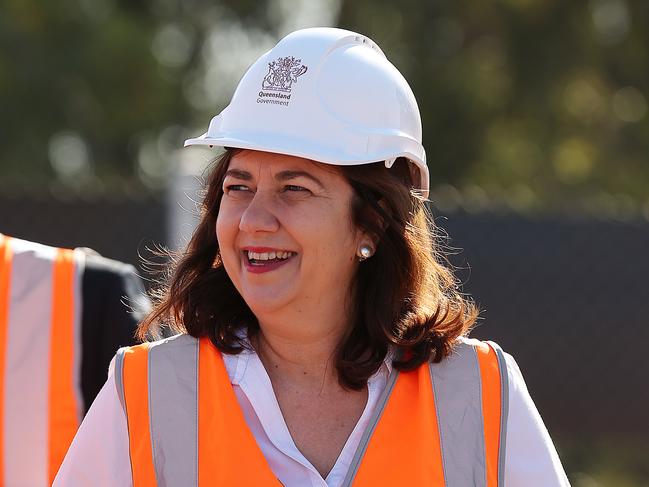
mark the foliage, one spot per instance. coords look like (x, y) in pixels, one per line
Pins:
(604, 462)
(542, 99)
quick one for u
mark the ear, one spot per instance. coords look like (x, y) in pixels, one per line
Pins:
(385, 209)
(379, 215)
(362, 237)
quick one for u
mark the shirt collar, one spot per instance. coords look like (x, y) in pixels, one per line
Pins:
(236, 365)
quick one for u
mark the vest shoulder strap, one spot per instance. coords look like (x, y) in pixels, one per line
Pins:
(471, 399)
(156, 418)
(170, 348)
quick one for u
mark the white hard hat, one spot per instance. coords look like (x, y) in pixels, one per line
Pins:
(329, 95)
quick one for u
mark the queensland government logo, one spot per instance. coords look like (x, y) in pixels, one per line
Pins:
(282, 73)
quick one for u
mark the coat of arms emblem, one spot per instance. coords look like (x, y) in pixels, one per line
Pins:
(282, 73)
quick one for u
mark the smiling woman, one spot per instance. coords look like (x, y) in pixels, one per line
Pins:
(291, 205)
(321, 339)
(320, 217)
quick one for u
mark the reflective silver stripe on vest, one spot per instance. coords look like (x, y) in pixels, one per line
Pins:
(119, 385)
(26, 394)
(119, 376)
(173, 406)
(504, 397)
(367, 434)
(458, 401)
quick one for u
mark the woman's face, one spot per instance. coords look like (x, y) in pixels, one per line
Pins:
(285, 232)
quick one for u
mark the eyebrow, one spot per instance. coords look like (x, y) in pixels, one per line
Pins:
(280, 176)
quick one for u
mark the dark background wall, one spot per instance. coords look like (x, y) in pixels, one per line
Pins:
(566, 296)
(116, 228)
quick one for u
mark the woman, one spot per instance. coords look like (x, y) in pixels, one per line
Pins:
(321, 340)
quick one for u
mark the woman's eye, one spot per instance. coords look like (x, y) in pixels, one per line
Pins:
(236, 188)
(293, 187)
(242, 188)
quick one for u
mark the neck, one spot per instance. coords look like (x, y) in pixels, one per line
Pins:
(302, 354)
(297, 342)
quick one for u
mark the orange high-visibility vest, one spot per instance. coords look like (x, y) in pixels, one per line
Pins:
(40, 397)
(440, 425)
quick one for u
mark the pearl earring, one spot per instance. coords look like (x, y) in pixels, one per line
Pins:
(365, 251)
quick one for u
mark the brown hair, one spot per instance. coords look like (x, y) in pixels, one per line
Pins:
(405, 296)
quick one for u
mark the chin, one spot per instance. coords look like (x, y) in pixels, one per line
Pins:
(265, 301)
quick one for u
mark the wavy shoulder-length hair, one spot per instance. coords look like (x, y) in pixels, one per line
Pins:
(405, 297)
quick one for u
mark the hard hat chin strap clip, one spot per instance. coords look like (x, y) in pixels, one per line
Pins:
(390, 162)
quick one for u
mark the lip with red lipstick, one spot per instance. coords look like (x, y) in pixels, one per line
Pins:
(265, 259)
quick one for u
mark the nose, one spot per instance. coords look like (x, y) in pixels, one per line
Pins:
(258, 216)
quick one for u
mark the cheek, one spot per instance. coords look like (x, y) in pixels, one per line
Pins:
(333, 240)
(227, 225)
(226, 235)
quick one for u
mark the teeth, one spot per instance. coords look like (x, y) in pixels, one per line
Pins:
(268, 255)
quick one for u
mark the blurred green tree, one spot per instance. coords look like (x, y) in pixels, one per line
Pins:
(540, 100)
(87, 85)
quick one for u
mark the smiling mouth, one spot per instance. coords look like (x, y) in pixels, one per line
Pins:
(267, 259)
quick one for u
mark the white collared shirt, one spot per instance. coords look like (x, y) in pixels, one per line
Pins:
(99, 455)
(252, 387)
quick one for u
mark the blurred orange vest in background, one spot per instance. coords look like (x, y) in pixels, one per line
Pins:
(40, 332)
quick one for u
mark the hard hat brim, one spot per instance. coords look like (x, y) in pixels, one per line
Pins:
(325, 155)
